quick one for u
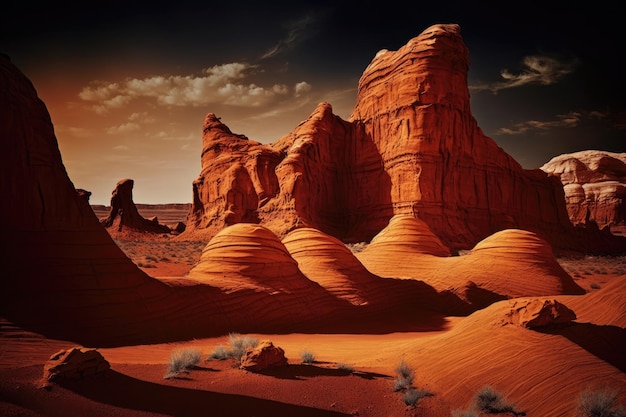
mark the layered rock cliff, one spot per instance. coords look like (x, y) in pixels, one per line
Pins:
(595, 186)
(411, 146)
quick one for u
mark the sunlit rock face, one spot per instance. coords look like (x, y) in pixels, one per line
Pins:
(414, 103)
(411, 146)
(594, 184)
(325, 174)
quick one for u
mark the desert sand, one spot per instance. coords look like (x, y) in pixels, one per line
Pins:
(452, 362)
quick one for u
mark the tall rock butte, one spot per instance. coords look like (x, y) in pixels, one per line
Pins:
(411, 146)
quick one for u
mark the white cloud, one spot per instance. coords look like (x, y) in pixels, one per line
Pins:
(218, 84)
(124, 128)
(301, 88)
(538, 69)
(121, 148)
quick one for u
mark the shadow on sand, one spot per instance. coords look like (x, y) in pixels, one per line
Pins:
(606, 342)
(124, 391)
(310, 371)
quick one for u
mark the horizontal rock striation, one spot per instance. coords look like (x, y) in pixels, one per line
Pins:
(410, 146)
(508, 264)
(595, 186)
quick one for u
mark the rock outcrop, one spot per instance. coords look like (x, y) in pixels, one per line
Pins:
(410, 146)
(124, 218)
(262, 357)
(594, 184)
(75, 363)
(539, 313)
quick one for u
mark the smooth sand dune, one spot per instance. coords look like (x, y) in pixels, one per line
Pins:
(543, 372)
(606, 306)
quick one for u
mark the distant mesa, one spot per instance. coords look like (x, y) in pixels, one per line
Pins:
(594, 184)
(124, 219)
(410, 146)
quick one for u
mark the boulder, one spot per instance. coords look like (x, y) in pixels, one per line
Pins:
(540, 313)
(264, 356)
(75, 363)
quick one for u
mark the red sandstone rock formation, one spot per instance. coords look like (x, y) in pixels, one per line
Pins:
(75, 363)
(594, 184)
(411, 146)
(262, 357)
(64, 277)
(538, 313)
(124, 218)
(510, 263)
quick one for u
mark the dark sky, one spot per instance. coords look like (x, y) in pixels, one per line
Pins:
(128, 83)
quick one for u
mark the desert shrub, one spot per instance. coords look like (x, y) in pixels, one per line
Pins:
(412, 396)
(220, 353)
(404, 377)
(345, 367)
(491, 401)
(307, 357)
(600, 403)
(357, 247)
(181, 361)
(237, 346)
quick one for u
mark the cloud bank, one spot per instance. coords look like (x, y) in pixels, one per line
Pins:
(222, 84)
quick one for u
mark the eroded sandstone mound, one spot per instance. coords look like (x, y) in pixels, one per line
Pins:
(411, 146)
(508, 264)
(594, 184)
(124, 218)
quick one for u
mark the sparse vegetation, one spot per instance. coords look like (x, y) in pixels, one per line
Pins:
(490, 401)
(404, 383)
(307, 357)
(404, 377)
(412, 396)
(600, 403)
(345, 367)
(238, 345)
(357, 247)
(182, 361)
(590, 265)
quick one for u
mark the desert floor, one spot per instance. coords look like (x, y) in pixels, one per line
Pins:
(352, 375)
